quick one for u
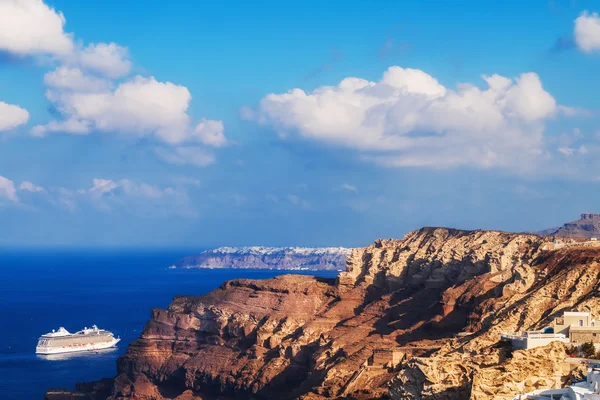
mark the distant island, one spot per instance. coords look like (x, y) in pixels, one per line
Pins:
(587, 227)
(260, 257)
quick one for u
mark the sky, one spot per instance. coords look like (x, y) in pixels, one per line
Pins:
(301, 123)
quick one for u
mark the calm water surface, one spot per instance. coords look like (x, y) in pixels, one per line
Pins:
(42, 290)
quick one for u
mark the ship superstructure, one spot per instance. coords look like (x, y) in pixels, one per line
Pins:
(87, 339)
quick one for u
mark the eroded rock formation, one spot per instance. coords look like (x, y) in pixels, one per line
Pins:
(587, 227)
(385, 329)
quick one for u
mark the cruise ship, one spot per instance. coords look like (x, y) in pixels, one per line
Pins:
(87, 339)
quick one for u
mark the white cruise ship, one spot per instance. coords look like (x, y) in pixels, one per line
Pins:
(87, 339)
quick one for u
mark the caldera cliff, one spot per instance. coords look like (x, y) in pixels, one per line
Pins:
(417, 318)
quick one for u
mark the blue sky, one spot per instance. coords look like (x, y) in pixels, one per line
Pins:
(293, 123)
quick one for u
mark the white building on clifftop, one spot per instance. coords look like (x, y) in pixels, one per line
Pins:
(532, 339)
(573, 327)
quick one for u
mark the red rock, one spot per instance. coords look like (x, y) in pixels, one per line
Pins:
(299, 337)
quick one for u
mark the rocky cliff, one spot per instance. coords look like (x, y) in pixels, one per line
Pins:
(417, 318)
(260, 257)
(587, 227)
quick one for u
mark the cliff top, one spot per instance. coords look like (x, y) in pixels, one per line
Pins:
(588, 226)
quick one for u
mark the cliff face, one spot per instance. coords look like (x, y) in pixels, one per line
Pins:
(385, 329)
(292, 258)
(587, 227)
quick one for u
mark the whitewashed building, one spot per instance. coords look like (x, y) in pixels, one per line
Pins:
(573, 327)
(532, 339)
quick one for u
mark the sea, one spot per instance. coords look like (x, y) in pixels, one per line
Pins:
(43, 289)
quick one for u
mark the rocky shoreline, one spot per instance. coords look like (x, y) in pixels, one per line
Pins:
(417, 318)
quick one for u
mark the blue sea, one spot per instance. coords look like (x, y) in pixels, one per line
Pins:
(42, 290)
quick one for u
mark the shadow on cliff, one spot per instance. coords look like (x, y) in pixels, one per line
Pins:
(296, 379)
(414, 303)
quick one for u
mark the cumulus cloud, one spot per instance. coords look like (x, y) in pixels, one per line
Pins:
(409, 119)
(12, 116)
(8, 190)
(210, 133)
(110, 60)
(139, 106)
(30, 187)
(91, 87)
(71, 125)
(73, 78)
(31, 27)
(587, 32)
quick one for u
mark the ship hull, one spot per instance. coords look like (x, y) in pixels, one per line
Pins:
(72, 348)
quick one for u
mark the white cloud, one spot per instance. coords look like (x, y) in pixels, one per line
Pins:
(103, 186)
(75, 79)
(144, 198)
(144, 190)
(587, 32)
(409, 119)
(210, 133)
(412, 81)
(128, 188)
(575, 111)
(182, 155)
(7, 190)
(570, 151)
(84, 90)
(566, 151)
(139, 106)
(110, 60)
(31, 27)
(106, 195)
(30, 187)
(12, 116)
(72, 126)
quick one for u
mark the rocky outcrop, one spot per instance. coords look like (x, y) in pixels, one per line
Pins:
(259, 257)
(439, 257)
(491, 374)
(417, 318)
(587, 227)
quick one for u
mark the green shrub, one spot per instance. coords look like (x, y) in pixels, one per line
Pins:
(572, 351)
(588, 350)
